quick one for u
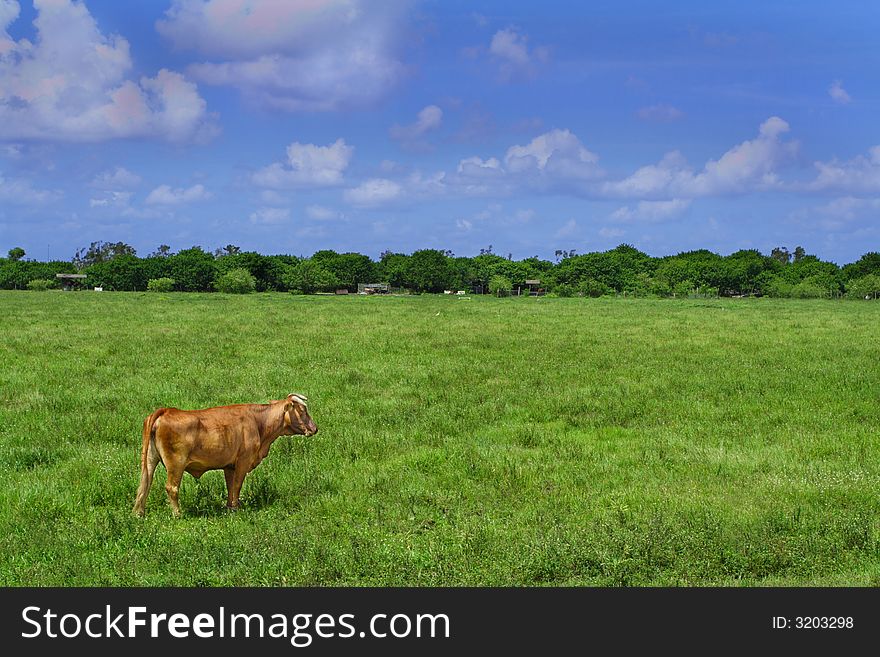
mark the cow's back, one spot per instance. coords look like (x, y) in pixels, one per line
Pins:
(209, 438)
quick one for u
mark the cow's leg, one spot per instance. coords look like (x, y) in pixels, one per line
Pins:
(237, 480)
(229, 473)
(149, 467)
(172, 485)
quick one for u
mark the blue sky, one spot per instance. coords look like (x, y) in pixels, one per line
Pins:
(289, 127)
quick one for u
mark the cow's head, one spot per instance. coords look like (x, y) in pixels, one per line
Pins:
(297, 421)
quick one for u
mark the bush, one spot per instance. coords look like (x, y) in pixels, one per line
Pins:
(163, 284)
(593, 288)
(236, 281)
(865, 287)
(500, 285)
(808, 290)
(40, 284)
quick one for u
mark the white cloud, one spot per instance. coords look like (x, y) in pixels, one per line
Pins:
(375, 191)
(859, 175)
(661, 113)
(293, 55)
(746, 167)
(558, 153)
(847, 208)
(568, 229)
(610, 233)
(270, 216)
(476, 167)
(165, 195)
(111, 199)
(71, 84)
(651, 210)
(838, 93)
(428, 119)
(321, 213)
(118, 178)
(307, 166)
(464, 225)
(22, 192)
(509, 48)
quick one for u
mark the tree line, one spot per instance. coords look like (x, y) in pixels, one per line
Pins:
(623, 270)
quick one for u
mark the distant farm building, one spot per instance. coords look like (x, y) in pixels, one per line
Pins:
(534, 287)
(71, 281)
(373, 288)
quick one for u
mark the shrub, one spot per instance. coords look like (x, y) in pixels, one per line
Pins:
(163, 284)
(236, 281)
(40, 284)
(593, 288)
(865, 287)
(500, 285)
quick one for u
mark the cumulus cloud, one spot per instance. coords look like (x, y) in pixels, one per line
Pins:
(374, 191)
(118, 178)
(165, 195)
(509, 49)
(748, 166)
(312, 55)
(557, 162)
(568, 229)
(661, 113)
(650, 211)
(71, 84)
(321, 213)
(270, 216)
(307, 165)
(838, 93)
(558, 153)
(22, 192)
(428, 119)
(111, 199)
(859, 175)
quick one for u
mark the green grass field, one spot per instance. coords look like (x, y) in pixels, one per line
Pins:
(462, 442)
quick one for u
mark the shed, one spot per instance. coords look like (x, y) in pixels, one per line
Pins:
(71, 281)
(373, 288)
(534, 286)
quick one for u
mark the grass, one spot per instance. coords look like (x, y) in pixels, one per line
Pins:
(462, 442)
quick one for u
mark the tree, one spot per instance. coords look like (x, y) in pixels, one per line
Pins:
(392, 268)
(308, 277)
(163, 251)
(799, 253)
(16, 254)
(194, 270)
(428, 271)
(123, 272)
(101, 252)
(229, 249)
(781, 254)
(867, 264)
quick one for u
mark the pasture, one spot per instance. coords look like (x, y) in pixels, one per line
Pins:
(512, 442)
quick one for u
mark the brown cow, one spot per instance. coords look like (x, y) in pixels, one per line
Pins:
(230, 438)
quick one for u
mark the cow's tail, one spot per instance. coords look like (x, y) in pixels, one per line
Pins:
(149, 460)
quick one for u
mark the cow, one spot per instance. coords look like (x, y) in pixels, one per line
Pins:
(230, 438)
